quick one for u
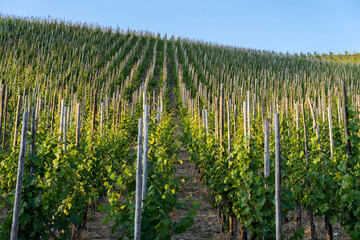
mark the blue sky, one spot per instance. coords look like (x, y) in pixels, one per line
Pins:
(279, 25)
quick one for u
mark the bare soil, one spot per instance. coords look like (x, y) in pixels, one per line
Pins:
(290, 227)
(207, 221)
(95, 229)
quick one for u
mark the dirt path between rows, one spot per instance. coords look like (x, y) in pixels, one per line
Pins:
(207, 220)
(95, 229)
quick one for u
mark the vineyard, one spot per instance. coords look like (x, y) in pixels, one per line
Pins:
(93, 120)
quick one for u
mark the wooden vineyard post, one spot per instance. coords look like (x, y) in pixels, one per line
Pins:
(330, 132)
(249, 116)
(118, 112)
(5, 117)
(266, 151)
(106, 108)
(305, 138)
(263, 112)
(68, 116)
(216, 119)
(203, 117)
(94, 116)
(161, 106)
(297, 120)
(19, 181)
(17, 121)
(222, 106)
(137, 228)
(33, 131)
(158, 110)
(277, 178)
(206, 123)
(199, 110)
(101, 119)
(61, 120)
(154, 101)
(53, 112)
(64, 129)
(78, 124)
(245, 121)
(346, 120)
(144, 99)
(229, 132)
(235, 118)
(254, 107)
(114, 112)
(145, 151)
(2, 93)
(91, 99)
